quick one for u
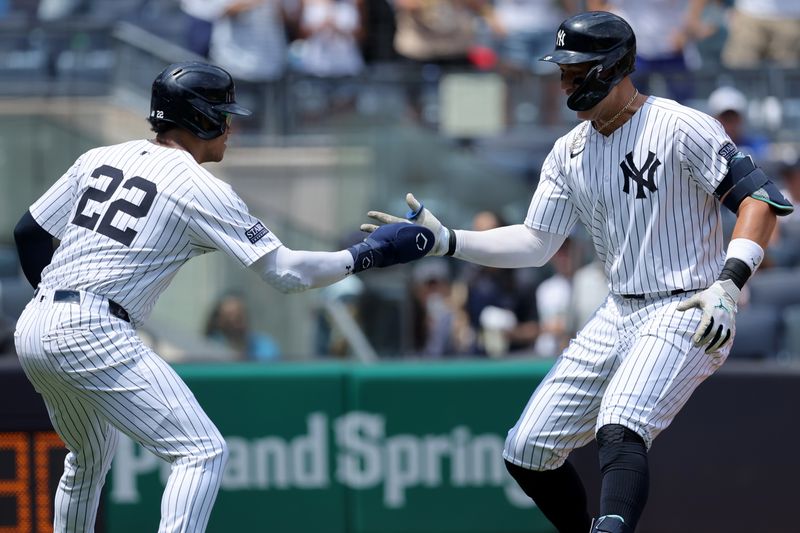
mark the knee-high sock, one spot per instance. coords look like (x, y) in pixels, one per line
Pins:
(558, 493)
(625, 474)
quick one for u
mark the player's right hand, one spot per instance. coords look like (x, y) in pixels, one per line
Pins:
(391, 244)
(718, 304)
(418, 214)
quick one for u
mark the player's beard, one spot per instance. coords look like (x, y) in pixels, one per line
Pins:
(217, 148)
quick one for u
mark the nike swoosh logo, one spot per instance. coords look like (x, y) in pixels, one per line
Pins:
(573, 154)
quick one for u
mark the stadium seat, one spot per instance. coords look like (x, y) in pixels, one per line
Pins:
(791, 332)
(758, 333)
(776, 287)
(14, 296)
(9, 262)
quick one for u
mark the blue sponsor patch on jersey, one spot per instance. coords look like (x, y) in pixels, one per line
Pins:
(728, 150)
(256, 233)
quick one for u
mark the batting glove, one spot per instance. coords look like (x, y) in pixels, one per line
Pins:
(718, 303)
(391, 244)
(418, 215)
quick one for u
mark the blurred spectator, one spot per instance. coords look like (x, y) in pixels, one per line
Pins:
(729, 106)
(763, 31)
(553, 297)
(523, 31)
(490, 291)
(343, 297)
(57, 9)
(437, 31)
(589, 291)
(337, 303)
(200, 17)
(439, 327)
(329, 31)
(229, 324)
(784, 248)
(249, 39)
(665, 34)
(379, 29)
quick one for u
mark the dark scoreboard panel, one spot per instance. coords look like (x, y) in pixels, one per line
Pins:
(31, 455)
(31, 463)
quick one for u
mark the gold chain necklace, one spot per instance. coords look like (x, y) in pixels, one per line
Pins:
(604, 124)
(580, 135)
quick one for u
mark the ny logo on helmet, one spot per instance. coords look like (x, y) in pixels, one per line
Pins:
(560, 37)
(630, 172)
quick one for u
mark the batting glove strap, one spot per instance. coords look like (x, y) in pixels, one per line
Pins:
(392, 244)
(718, 304)
(451, 242)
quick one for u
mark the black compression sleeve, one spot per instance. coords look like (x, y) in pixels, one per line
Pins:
(34, 247)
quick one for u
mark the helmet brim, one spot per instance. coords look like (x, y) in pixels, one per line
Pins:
(570, 57)
(233, 109)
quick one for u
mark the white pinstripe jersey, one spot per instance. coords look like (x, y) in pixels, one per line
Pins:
(128, 216)
(644, 194)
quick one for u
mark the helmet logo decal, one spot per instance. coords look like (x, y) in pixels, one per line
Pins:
(560, 37)
(159, 114)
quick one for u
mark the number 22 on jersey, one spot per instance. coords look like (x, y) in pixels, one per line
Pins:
(123, 236)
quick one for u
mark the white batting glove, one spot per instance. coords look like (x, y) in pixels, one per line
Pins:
(718, 303)
(418, 215)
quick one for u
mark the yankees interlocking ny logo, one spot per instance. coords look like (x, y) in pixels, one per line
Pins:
(630, 172)
(560, 37)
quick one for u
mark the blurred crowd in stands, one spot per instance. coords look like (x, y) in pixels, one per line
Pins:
(454, 309)
(259, 40)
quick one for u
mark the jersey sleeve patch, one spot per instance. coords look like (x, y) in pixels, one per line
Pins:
(728, 150)
(256, 233)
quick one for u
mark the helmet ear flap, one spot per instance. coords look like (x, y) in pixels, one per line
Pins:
(584, 97)
(627, 64)
(601, 78)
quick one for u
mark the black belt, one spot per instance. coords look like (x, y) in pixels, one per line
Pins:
(62, 295)
(643, 296)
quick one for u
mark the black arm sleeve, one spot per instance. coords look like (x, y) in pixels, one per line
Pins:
(34, 247)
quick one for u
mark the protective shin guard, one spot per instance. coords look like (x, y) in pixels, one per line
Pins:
(625, 475)
(558, 493)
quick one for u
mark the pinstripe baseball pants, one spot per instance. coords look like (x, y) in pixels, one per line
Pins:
(633, 364)
(97, 378)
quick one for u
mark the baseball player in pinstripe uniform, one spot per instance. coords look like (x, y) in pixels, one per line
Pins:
(647, 178)
(127, 217)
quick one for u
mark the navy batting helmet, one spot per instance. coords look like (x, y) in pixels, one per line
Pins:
(595, 37)
(195, 96)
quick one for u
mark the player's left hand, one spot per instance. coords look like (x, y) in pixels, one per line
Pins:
(718, 304)
(392, 244)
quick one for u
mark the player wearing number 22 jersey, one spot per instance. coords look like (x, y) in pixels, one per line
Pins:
(127, 217)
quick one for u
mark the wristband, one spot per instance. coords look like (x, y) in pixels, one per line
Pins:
(741, 261)
(451, 244)
(747, 251)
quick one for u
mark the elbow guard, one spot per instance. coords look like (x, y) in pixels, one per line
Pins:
(745, 179)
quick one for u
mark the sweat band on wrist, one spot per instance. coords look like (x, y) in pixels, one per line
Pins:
(747, 251)
(741, 261)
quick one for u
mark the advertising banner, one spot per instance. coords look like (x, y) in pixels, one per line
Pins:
(390, 448)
